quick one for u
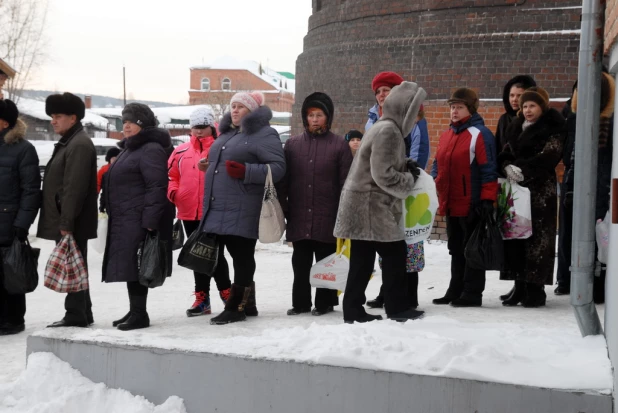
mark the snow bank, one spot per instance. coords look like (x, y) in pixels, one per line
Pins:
(49, 385)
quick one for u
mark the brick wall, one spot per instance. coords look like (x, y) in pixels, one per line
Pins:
(611, 24)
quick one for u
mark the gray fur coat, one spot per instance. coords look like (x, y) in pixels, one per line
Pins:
(370, 205)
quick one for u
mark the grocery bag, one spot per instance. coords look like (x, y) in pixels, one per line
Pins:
(485, 248)
(19, 264)
(419, 209)
(99, 242)
(152, 261)
(331, 272)
(178, 236)
(602, 230)
(66, 270)
(514, 211)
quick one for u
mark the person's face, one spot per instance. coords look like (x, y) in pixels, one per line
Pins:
(130, 129)
(3, 125)
(381, 94)
(355, 144)
(62, 123)
(316, 119)
(238, 112)
(532, 111)
(459, 111)
(201, 131)
(112, 160)
(514, 96)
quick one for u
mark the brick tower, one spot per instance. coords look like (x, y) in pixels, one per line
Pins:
(440, 44)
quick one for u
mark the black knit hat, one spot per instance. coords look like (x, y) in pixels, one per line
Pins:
(353, 133)
(320, 101)
(139, 114)
(111, 153)
(9, 112)
(466, 96)
(65, 104)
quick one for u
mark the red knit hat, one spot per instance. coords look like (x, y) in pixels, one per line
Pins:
(390, 79)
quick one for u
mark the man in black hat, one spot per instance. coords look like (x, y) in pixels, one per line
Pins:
(20, 197)
(70, 193)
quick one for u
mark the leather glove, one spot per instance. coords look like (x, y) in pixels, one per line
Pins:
(20, 233)
(413, 168)
(513, 174)
(235, 169)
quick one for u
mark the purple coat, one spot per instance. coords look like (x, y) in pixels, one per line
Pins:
(317, 167)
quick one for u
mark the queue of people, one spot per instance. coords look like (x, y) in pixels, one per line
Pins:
(329, 187)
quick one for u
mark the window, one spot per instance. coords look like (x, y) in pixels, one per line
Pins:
(205, 84)
(226, 84)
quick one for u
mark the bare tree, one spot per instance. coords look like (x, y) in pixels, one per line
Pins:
(22, 39)
(220, 102)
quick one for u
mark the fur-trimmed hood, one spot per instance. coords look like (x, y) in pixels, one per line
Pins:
(608, 87)
(17, 133)
(525, 80)
(147, 135)
(251, 123)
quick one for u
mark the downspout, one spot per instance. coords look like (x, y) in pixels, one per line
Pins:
(586, 143)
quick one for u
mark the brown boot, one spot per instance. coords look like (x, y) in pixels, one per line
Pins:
(251, 308)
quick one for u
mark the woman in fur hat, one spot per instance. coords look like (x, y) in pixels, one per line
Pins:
(317, 162)
(532, 151)
(234, 190)
(604, 171)
(135, 188)
(187, 167)
(467, 183)
(371, 207)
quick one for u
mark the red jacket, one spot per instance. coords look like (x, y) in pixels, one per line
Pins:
(100, 174)
(186, 186)
(465, 167)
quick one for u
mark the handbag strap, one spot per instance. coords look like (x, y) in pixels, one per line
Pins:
(269, 177)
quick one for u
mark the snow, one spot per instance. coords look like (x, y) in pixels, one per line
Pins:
(36, 109)
(537, 347)
(269, 75)
(51, 385)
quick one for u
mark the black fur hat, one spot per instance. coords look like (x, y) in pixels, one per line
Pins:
(321, 101)
(9, 112)
(66, 104)
(352, 134)
(111, 153)
(139, 114)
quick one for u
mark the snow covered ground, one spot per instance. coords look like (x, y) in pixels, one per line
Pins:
(539, 347)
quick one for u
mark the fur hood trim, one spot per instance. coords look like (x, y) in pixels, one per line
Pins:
(610, 87)
(147, 135)
(251, 123)
(552, 120)
(18, 133)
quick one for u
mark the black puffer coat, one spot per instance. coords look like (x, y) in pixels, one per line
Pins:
(20, 182)
(507, 118)
(136, 200)
(537, 151)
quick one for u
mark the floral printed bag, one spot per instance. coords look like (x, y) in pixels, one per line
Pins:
(514, 212)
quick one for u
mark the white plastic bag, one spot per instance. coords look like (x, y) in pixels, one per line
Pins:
(99, 243)
(602, 230)
(514, 210)
(331, 272)
(419, 209)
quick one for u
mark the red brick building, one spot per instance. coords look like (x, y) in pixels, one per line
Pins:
(216, 83)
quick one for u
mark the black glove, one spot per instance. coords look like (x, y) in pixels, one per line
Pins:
(20, 233)
(413, 168)
(486, 208)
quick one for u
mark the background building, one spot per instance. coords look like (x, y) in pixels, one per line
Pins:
(215, 84)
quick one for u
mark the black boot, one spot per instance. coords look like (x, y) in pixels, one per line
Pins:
(413, 288)
(508, 295)
(377, 302)
(466, 302)
(517, 295)
(297, 311)
(409, 314)
(121, 320)
(138, 317)
(235, 306)
(443, 301)
(535, 296)
(251, 307)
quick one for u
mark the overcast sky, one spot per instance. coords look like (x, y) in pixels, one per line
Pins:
(90, 40)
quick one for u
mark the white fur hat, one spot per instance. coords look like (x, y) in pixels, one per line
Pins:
(202, 116)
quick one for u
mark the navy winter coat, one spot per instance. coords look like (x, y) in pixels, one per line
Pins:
(232, 206)
(136, 200)
(20, 182)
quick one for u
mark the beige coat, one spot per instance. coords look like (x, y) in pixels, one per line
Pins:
(370, 205)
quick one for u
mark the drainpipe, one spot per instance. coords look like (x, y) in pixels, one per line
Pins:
(587, 138)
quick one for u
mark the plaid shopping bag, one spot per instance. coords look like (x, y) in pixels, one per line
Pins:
(66, 271)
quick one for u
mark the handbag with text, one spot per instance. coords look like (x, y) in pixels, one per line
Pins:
(419, 209)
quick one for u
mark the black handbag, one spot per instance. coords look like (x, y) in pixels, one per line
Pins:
(178, 236)
(19, 265)
(485, 248)
(153, 261)
(200, 253)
